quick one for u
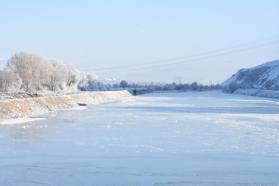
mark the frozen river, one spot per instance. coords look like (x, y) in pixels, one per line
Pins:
(167, 139)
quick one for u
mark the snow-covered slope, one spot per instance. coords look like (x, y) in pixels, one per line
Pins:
(262, 77)
(27, 107)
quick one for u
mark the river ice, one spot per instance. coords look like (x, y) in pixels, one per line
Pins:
(161, 139)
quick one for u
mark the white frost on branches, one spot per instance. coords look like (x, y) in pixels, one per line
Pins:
(31, 73)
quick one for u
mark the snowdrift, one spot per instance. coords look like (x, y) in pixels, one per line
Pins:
(26, 107)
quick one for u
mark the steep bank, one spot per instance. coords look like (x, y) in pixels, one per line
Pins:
(261, 80)
(26, 107)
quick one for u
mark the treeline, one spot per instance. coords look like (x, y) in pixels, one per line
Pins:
(139, 88)
(31, 73)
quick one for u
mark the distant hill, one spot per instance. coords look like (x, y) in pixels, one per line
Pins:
(261, 80)
(265, 76)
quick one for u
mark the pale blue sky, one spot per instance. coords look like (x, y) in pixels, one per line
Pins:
(99, 34)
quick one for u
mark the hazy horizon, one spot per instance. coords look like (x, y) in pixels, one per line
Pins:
(160, 41)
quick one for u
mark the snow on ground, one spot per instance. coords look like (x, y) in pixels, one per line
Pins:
(19, 121)
(27, 107)
(261, 80)
(263, 76)
(192, 138)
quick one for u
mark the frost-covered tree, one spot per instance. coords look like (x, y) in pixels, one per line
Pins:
(39, 74)
(90, 76)
(9, 81)
(89, 83)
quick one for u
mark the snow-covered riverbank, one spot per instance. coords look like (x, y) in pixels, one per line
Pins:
(26, 107)
(274, 94)
(261, 81)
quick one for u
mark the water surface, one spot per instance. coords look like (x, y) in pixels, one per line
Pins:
(192, 138)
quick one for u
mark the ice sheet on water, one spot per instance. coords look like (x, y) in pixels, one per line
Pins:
(204, 138)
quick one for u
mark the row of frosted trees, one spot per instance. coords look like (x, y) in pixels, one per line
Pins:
(30, 73)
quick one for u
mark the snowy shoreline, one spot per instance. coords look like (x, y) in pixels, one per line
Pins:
(30, 107)
(273, 94)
